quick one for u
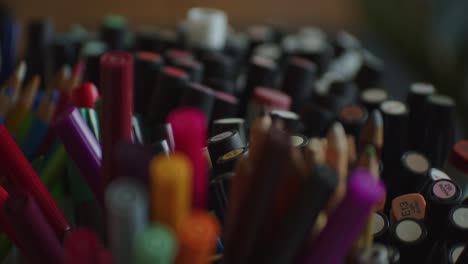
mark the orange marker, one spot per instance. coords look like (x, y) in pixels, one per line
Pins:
(410, 205)
(197, 238)
(171, 189)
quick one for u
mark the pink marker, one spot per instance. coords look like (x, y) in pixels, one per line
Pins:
(189, 130)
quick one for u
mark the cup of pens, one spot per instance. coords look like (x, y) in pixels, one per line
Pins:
(203, 144)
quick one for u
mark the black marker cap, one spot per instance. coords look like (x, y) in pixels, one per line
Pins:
(372, 98)
(458, 254)
(415, 167)
(200, 97)
(192, 67)
(441, 196)
(291, 120)
(219, 194)
(257, 35)
(62, 52)
(381, 227)
(236, 47)
(223, 143)
(222, 85)
(270, 51)
(316, 120)
(298, 81)
(416, 101)
(92, 52)
(226, 105)
(440, 128)
(170, 39)
(343, 41)
(38, 58)
(370, 72)
(410, 236)
(316, 49)
(166, 97)
(353, 117)
(228, 160)
(458, 224)
(260, 72)
(395, 116)
(147, 39)
(227, 124)
(147, 68)
(437, 253)
(113, 32)
(344, 90)
(218, 65)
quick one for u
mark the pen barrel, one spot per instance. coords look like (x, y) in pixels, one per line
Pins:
(23, 176)
(117, 107)
(333, 243)
(83, 148)
(147, 69)
(298, 81)
(36, 236)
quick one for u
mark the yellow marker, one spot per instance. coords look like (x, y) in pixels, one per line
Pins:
(171, 189)
(20, 110)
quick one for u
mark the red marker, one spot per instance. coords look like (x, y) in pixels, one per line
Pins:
(117, 107)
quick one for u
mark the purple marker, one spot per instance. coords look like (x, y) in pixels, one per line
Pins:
(82, 147)
(346, 223)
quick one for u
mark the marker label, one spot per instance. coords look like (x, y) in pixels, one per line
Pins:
(444, 190)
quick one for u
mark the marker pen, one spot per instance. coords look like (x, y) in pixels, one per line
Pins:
(410, 237)
(171, 182)
(82, 246)
(189, 129)
(83, 149)
(456, 165)
(227, 161)
(268, 99)
(197, 238)
(166, 97)
(113, 32)
(372, 98)
(347, 221)
(257, 35)
(61, 51)
(441, 196)
(269, 50)
(173, 55)
(343, 41)
(22, 175)
(395, 116)
(316, 120)
(37, 238)
(219, 194)
(207, 28)
(223, 143)
(457, 230)
(226, 124)
(117, 107)
(381, 227)
(147, 68)
(147, 39)
(300, 217)
(198, 96)
(353, 117)
(290, 120)
(222, 85)
(92, 52)
(440, 129)
(298, 81)
(260, 72)
(127, 215)
(415, 167)
(342, 90)
(314, 47)
(217, 65)
(156, 244)
(226, 106)
(370, 72)
(416, 101)
(455, 253)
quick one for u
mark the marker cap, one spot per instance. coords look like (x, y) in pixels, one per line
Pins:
(200, 97)
(207, 28)
(157, 244)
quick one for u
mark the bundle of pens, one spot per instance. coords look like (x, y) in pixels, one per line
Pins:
(307, 160)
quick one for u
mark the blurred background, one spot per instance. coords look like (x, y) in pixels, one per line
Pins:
(419, 40)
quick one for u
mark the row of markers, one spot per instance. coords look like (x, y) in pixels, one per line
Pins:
(293, 172)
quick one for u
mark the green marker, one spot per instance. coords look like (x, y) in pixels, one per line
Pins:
(155, 245)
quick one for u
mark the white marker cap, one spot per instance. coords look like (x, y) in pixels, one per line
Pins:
(207, 28)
